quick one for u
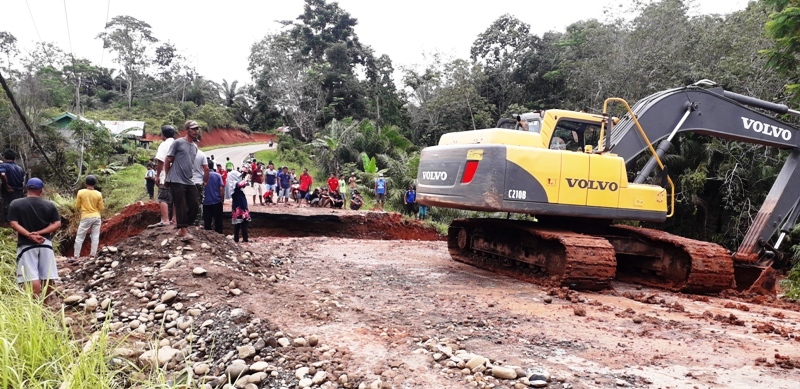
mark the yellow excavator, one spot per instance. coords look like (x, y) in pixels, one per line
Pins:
(570, 170)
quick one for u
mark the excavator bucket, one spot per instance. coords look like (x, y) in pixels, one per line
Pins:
(755, 279)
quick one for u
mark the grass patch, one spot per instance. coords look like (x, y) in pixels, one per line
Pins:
(36, 349)
(123, 188)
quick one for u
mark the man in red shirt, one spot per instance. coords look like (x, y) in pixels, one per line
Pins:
(305, 184)
(333, 183)
(257, 177)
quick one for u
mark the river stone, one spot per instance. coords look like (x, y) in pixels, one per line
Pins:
(304, 383)
(283, 342)
(538, 384)
(313, 341)
(74, 299)
(319, 378)
(134, 324)
(301, 372)
(202, 369)
(105, 304)
(91, 304)
(199, 271)
(160, 308)
(504, 372)
(236, 369)
(169, 296)
(475, 362)
(299, 342)
(194, 312)
(259, 366)
(246, 351)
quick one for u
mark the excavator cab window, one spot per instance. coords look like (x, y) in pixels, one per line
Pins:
(574, 135)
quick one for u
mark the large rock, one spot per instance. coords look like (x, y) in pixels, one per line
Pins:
(91, 304)
(73, 299)
(319, 378)
(259, 366)
(159, 357)
(503, 372)
(168, 296)
(304, 383)
(246, 351)
(475, 362)
(236, 369)
(301, 372)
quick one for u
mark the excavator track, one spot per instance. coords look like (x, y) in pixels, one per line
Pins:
(525, 251)
(680, 264)
(587, 257)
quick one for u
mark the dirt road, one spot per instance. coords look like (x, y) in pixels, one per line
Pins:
(382, 300)
(390, 309)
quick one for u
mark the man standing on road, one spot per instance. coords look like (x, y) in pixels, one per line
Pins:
(284, 185)
(410, 201)
(35, 220)
(199, 178)
(257, 177)
(89, 202)
(212, 202)
(271, 180)
(305, 185)
(164, 196)
(12, 177)
(381, 188)
(179, 167)
(333, 183)
(228, 164)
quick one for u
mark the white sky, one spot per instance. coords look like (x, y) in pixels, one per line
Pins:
(217, 35)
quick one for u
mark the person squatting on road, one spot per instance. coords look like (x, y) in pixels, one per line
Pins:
(179, 166)
(89, 202)
(212, 202)
(164, 195)
(35, 220)
(12, 177)
(240, 213)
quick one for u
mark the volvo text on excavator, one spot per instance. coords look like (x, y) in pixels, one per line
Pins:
(570, 170)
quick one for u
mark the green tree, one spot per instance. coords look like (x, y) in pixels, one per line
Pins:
(130, 39)
(784, 28)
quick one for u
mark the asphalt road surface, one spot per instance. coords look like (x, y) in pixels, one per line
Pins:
(236, 153)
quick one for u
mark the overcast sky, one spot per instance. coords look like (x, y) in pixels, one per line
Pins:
(216, 35)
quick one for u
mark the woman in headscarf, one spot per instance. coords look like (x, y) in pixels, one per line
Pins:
(240, 214)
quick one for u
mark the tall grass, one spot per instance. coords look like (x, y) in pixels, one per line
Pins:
(36, 349)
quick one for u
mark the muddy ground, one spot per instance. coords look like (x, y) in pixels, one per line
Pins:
(384, 297)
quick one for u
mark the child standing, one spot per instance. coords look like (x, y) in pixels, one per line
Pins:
(240, 214)
(150, 180)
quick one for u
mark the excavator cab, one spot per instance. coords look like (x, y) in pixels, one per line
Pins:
(574, 135)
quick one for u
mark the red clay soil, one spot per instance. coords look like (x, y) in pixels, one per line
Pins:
(223, 136)
(277, 221)
(130, 222)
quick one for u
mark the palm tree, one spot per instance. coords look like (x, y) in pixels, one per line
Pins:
(230, 93)
(329, 147)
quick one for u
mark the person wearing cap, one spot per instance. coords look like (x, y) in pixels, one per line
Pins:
(180, 167)
(12, 177)
(35, 219)
(89, 202)
(164, 195)
(356, 201)
(381, 188)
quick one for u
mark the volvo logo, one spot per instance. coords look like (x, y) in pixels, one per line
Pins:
(766, 128)
(435, 176)
(592, 184)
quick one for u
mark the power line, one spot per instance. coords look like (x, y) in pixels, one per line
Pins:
(34, 21)
(102, 53)
(69, 36)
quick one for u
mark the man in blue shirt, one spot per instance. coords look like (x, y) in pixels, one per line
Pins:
(284, 185)
(381, 188)
(410, 201)
(12, 177)
(212, 201)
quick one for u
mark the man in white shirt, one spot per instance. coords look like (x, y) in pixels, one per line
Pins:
(199, 179)
(164, 198)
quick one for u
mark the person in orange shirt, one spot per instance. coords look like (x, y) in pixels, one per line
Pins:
(305, 185)
(89, 202)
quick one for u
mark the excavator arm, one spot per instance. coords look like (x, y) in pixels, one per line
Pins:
(723, 114)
